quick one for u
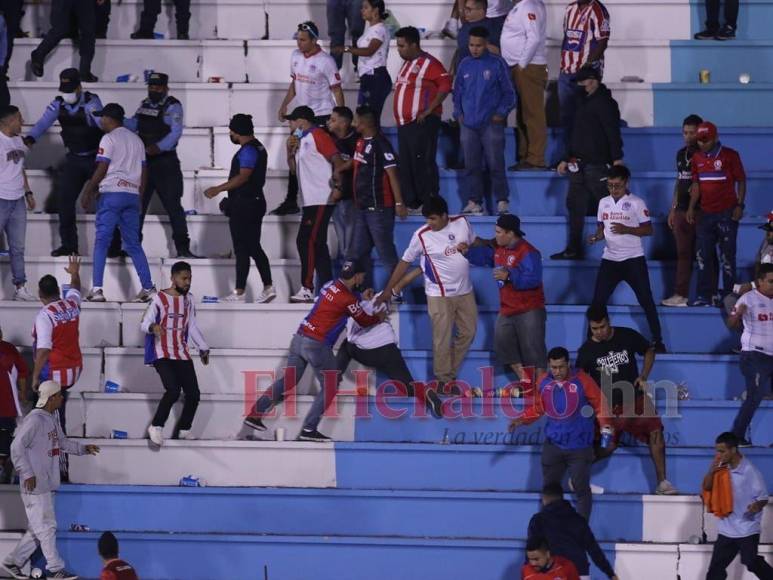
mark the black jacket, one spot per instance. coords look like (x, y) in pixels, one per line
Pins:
(569, 535)
(596, 136)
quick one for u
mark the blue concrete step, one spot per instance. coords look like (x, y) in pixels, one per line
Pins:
(327, 512)
(511, 467)
(567, 326)
(707, 377)
(725, 60)
(754, 19)
(397, 420)
(731, 104)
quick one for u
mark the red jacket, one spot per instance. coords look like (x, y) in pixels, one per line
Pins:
(716, 173)
(561, 569)
(12, 368)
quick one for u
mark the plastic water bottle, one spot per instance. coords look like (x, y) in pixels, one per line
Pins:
(606, 436)
(500, 283)
(192, 481)
(36, 573)
(191, 212)
(79, 528)
(158, 35)
(112, 387)
(127, 78)
(146, 74)
(118, 434)
(210, 299)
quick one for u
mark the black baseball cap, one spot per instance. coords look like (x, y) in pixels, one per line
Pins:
(768, 226)
(302, 112)
(69, 80)
(112, 110)
(158, 78)
(511, 223)
(351, 268)
(587, 72)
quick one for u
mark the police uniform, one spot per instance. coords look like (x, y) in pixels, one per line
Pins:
(161, 124)
(61, 12)
(81, 135)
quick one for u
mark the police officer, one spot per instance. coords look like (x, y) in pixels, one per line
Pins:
(159, 123)
(74, 109)
(150, 11)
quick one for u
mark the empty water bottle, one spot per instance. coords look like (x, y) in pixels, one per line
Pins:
(127, 78)
(118, 434)
(191, 481)
(606, 436)
(112, 387)
(501, 283)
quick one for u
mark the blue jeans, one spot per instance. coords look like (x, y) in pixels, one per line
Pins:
(374, 227)
(757, 369)
(484, 148)
(374, 90)
(13, 221)
(339, 14)
(119, 209)
(343, 222)
(715, 229)
(304, 351)
(567, 103)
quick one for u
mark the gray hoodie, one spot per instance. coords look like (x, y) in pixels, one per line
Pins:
(35, 450)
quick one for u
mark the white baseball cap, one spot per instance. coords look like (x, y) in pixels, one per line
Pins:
(47, 390)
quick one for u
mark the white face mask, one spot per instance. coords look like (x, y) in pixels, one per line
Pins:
(70, 98)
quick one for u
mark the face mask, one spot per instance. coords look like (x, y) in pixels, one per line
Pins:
(156, 97)
(70, 98)
(181, 291)
(298, 133)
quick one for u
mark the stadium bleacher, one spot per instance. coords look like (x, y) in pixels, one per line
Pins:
(409, 497)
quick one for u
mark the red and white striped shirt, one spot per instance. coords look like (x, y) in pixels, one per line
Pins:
(57, 327)
(177, 317)
(584, 27)
(417, 84)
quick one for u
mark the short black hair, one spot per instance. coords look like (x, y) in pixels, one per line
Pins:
(692, 120)
(7, 111)
(558, 353)
(537, 543)
(596, 313)
(48, 286)
(763, 270)
(344, 112)
(554, 490)
(728, 438)
(410, 34)
(619, 172)
(479, 32)
(178, 267)
(108, 545)
(365, 113)
(435, 205)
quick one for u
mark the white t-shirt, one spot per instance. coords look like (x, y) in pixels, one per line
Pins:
(313, 166)
(367, 64)
(629, 210)
(125, 153)
(524, 34)
(497, 8)
(757, 322)
(313, 76)
(13, 151)
(446, 271)
(370, 337)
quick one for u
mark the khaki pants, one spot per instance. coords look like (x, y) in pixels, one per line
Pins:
(530, 85)
(445, 312)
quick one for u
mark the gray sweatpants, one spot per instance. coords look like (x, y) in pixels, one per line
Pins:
(556, 461)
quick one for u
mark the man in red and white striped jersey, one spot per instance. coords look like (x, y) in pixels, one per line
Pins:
(421, 87)
(169, 323)
(56, 339)
(586, 34)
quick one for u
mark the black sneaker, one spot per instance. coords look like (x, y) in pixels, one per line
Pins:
(255, 423)
(62, 251)
(141, 35)
(659, 347)
(286, 208)
(743, 442)
(62, 575)
(88, 77)
(183, 36)
(15, 572)
(727, 32)
(36, 66)
(187, 254)
(566, 255)
(705, 35)
(434, 404)
(312, 435)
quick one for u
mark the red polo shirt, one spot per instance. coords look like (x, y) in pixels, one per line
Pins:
(716, 172)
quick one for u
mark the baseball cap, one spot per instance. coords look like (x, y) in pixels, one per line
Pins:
(586, 73)
(351, 268)
(302, 112)
(46, 390)
(707, 131)
(69, 79)
(158, 78)
(768, 227)
(112, 110)
(511, 223)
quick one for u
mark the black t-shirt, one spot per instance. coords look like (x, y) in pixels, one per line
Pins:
(617, 356)
(684, 177)
(372, 158)
(346, 148)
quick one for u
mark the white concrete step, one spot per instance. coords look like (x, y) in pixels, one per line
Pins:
(219, 463)
(100, 323)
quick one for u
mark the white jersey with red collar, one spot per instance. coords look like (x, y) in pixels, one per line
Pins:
(177, 317)
(57, 328)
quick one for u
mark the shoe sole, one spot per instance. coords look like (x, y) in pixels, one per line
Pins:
(312, 439)
(301, 301)
(674, 305)
(14, 576)
(670, 492)
(255, 427)
(265, 301)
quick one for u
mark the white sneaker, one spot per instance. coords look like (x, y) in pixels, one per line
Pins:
(303, 295)
(145, 295)
(23, 295)
(665, 487)
(186, 435)
(503, 207)
(156, 435)
(414, 210)
(473, 208)
(95, 295)
(233, 297)
(675, 300)
(594, 489)
(267, 295)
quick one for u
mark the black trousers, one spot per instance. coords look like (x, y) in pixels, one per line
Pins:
(633, 271)
(725, 551)
(102, 19)
(245, 220)
(73, 174)
(152, 8)
(417, 145)
(312, 245)
(176, 376)
(61, 10)
(166, 178)
(5, 95)
(586, 188)
(13, 15)
(712, 14)
(387, 360)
